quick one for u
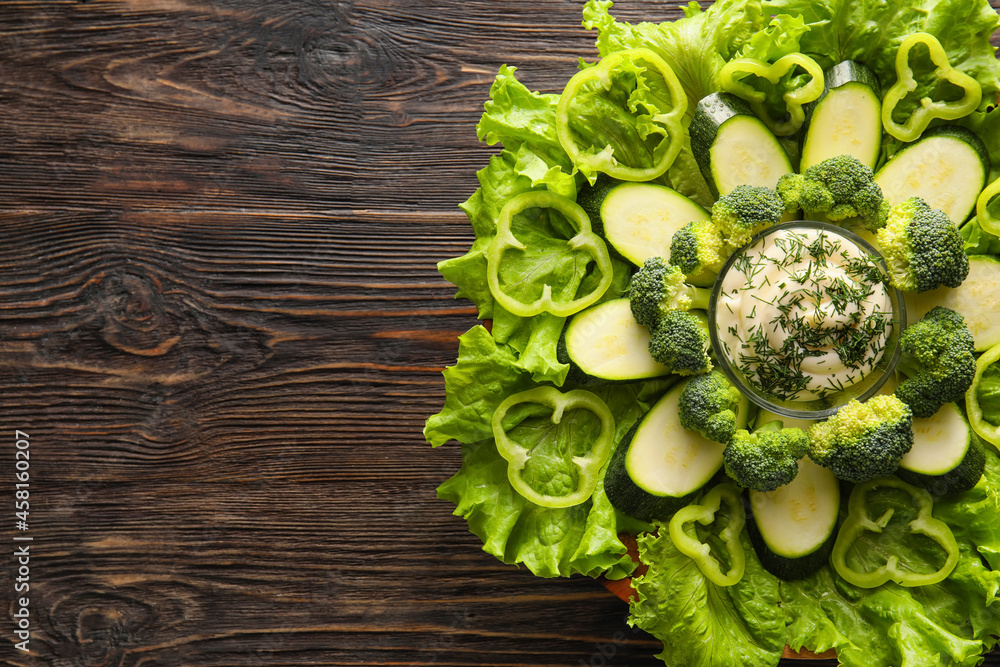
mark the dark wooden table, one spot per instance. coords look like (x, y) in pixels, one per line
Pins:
(221, 330)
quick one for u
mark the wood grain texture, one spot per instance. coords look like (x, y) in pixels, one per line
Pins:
(222, 327)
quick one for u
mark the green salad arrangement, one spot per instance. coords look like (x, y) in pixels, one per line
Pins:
(590, 408)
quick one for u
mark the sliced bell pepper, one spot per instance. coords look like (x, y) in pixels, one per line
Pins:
(701, 552)
(980, 391)
(652, 113)
(859, 521)
(584, 240)
(732, 79)
(928, 109)
(986, 219)
(561, 488)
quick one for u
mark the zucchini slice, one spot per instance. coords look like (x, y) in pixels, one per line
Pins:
(734, 147)
(793, 528)
(590, 197)
(659, 464)
(847, 119)
(947, 456)
(604, 343)
(977, 299)
(947, 168)
(638, 220)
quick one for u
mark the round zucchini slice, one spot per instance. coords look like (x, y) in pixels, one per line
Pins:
(976, 299)
(604, 343)
(734, 147)
(659, 464)
(638, 220)
(947, 456)
(947, 168)
(793, 528)
(847, 119)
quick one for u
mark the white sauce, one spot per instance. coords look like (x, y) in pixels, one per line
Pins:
(800, 316)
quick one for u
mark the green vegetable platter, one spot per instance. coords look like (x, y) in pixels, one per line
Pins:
(602, 435)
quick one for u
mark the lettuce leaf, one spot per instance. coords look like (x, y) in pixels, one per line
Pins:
(525, 123)
(685, 176)
(699, 622)
(893, 625)
(484, 375)
(986, 125)
(880, 626)
(536, 339)
(499, 182)
(781, 37)
(532, 159)
(957, 618)
(696, 46)
(978, 241)
(870, 32)
(974, 516)
(549, 542)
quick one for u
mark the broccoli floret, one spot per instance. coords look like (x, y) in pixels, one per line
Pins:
(863, 441)
(699, 250)
(712, 406)
(680, 342)
(745, 211)
(658, 288)
(660, 301)
(938, 358)
(837, 188)
(766, 458)
(922, 248)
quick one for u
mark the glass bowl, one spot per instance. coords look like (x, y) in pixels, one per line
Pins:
(757, 380)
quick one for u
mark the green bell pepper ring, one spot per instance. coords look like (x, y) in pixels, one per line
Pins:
(732, 76)
(858, 521)
(584, 240)
(587, 466)
(668, 123)
(986, 219)
(701, 552)
(977, 419)
(929, 109)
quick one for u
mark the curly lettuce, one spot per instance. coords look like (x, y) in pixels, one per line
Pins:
(532, 159)
(699, 622)
(958, 618)
(484, 375)
(696, 46)
(978, 241)
(870, 32)
(550, 542)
